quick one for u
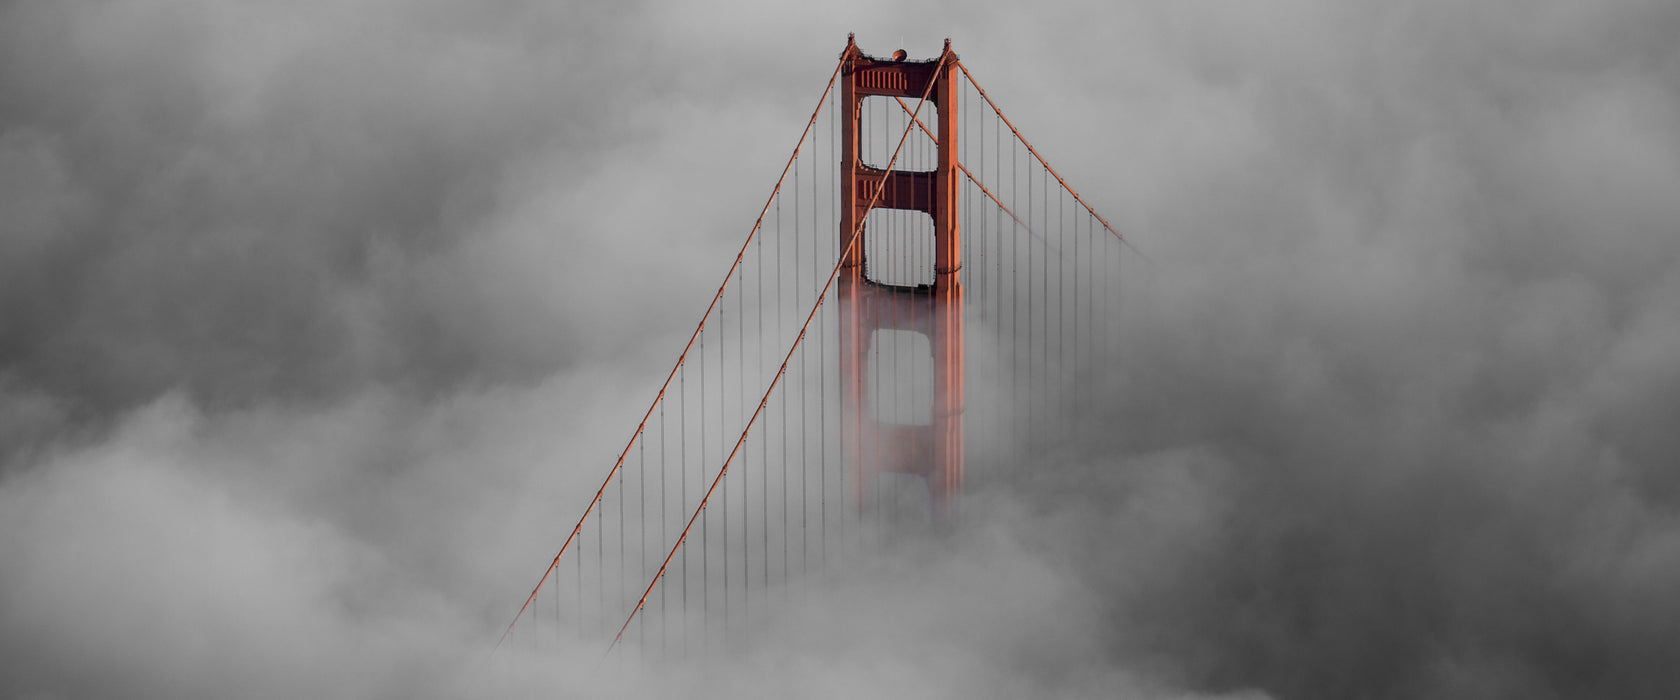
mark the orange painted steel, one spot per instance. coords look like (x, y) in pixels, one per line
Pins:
(934, 451)
(1041, 160)
(681, 358)
(762, 402)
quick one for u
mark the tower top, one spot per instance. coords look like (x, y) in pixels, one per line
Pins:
(900, 56)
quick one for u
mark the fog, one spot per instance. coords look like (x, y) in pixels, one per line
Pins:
(315, 330)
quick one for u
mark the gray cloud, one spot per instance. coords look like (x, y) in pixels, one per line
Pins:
(254, 203)
(309, 316)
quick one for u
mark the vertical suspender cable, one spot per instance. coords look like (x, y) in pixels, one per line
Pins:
(705, 539)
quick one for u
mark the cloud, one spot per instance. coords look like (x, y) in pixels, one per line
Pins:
(315, 327)
(248, 202)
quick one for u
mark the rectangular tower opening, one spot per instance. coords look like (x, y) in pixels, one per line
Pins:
(882, 122)
(898, 383)
(898, 248)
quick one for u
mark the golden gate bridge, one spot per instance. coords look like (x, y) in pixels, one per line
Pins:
(921, 299)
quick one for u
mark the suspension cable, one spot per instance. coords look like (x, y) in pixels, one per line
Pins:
(681, 358)
(780, 372)
(1046, 163)
(982, 185)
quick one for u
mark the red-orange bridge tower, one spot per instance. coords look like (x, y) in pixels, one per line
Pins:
(743, 478)
(929, 447)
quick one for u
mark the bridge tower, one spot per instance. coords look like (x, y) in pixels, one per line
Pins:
(930, 448)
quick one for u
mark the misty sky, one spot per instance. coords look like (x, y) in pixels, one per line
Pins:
(314, 327)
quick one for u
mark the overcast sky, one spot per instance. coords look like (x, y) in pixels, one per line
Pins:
(302, 334)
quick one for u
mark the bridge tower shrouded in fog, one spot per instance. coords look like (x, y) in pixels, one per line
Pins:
(887, 286)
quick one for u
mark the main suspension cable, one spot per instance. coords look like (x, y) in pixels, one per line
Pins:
(617, 465)
(1046, 163)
